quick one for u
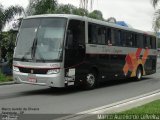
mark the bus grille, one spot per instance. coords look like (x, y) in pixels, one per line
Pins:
(33, 70)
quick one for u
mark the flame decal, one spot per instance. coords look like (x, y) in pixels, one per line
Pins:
(133, 60)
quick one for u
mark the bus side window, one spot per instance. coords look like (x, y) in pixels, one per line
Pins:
(150, 42)
(147, 42)
(101, 35)
(89, 33)
(117, 37)
(153, 42)
(135, 40)
(108, 36)
(129, 39)
(140, 41)
(123, 38)
(112, 37)
(92, 33)
(76, 33)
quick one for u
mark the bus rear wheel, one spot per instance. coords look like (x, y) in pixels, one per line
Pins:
(90, 81)
(139, 73)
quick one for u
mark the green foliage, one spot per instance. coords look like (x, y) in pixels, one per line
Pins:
(96, 14)
(2, 77)
(70, 9)
(81, 12)
(7, 39)
(7, 45)
(42, 7)
(150, 108)
(52, 7)
(65, 9)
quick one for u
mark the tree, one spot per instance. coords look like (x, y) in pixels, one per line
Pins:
(51, 6)
(70, 9)
(156, 19)
(96, 14)
(8, 44)
(7, 14)
(111, 20)
(81, 12)
(154, 3)
(41, 7)
(65, 9)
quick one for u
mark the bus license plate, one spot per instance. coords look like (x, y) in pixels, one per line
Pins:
(32, 78)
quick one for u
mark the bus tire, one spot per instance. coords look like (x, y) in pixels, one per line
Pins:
(139, 73)
(90, 80)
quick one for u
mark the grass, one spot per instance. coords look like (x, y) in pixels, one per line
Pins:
(4, 78)
(150, 111)
(150, 108)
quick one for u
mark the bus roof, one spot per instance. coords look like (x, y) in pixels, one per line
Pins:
(84, 18)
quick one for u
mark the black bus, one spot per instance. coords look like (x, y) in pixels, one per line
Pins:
(63, 50)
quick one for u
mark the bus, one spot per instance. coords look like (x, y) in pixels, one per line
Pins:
(60, 50)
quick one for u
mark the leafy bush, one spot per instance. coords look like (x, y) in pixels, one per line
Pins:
(7, 45)
(2, 77)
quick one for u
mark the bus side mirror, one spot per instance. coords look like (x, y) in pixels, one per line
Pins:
(69, 41)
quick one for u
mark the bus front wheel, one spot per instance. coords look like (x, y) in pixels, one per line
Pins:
(90, 81)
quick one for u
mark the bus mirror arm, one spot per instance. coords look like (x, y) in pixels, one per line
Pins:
(81, 46)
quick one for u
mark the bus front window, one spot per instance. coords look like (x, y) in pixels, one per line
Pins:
(41, 40)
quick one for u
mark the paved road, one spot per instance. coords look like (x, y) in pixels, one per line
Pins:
(71, 100)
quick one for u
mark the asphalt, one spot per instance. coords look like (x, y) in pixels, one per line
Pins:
(61, 102)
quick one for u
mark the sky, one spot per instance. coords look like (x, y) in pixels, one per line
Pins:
(137, 13)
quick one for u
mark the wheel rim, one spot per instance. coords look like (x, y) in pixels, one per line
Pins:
(139, 74)
(90, 79)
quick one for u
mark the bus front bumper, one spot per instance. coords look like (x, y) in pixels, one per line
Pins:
(52, 80)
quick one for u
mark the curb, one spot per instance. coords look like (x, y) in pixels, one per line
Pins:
(8, 83)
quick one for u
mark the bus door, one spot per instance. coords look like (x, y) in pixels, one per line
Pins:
(75, 45)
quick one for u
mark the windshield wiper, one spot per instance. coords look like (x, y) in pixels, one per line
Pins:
(33, 48)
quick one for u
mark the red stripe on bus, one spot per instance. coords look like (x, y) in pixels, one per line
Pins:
(34, 67)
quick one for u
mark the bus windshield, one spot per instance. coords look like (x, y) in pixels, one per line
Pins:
(40, 39)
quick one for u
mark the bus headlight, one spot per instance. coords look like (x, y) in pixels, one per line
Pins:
(15, 69)
(53, 71)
